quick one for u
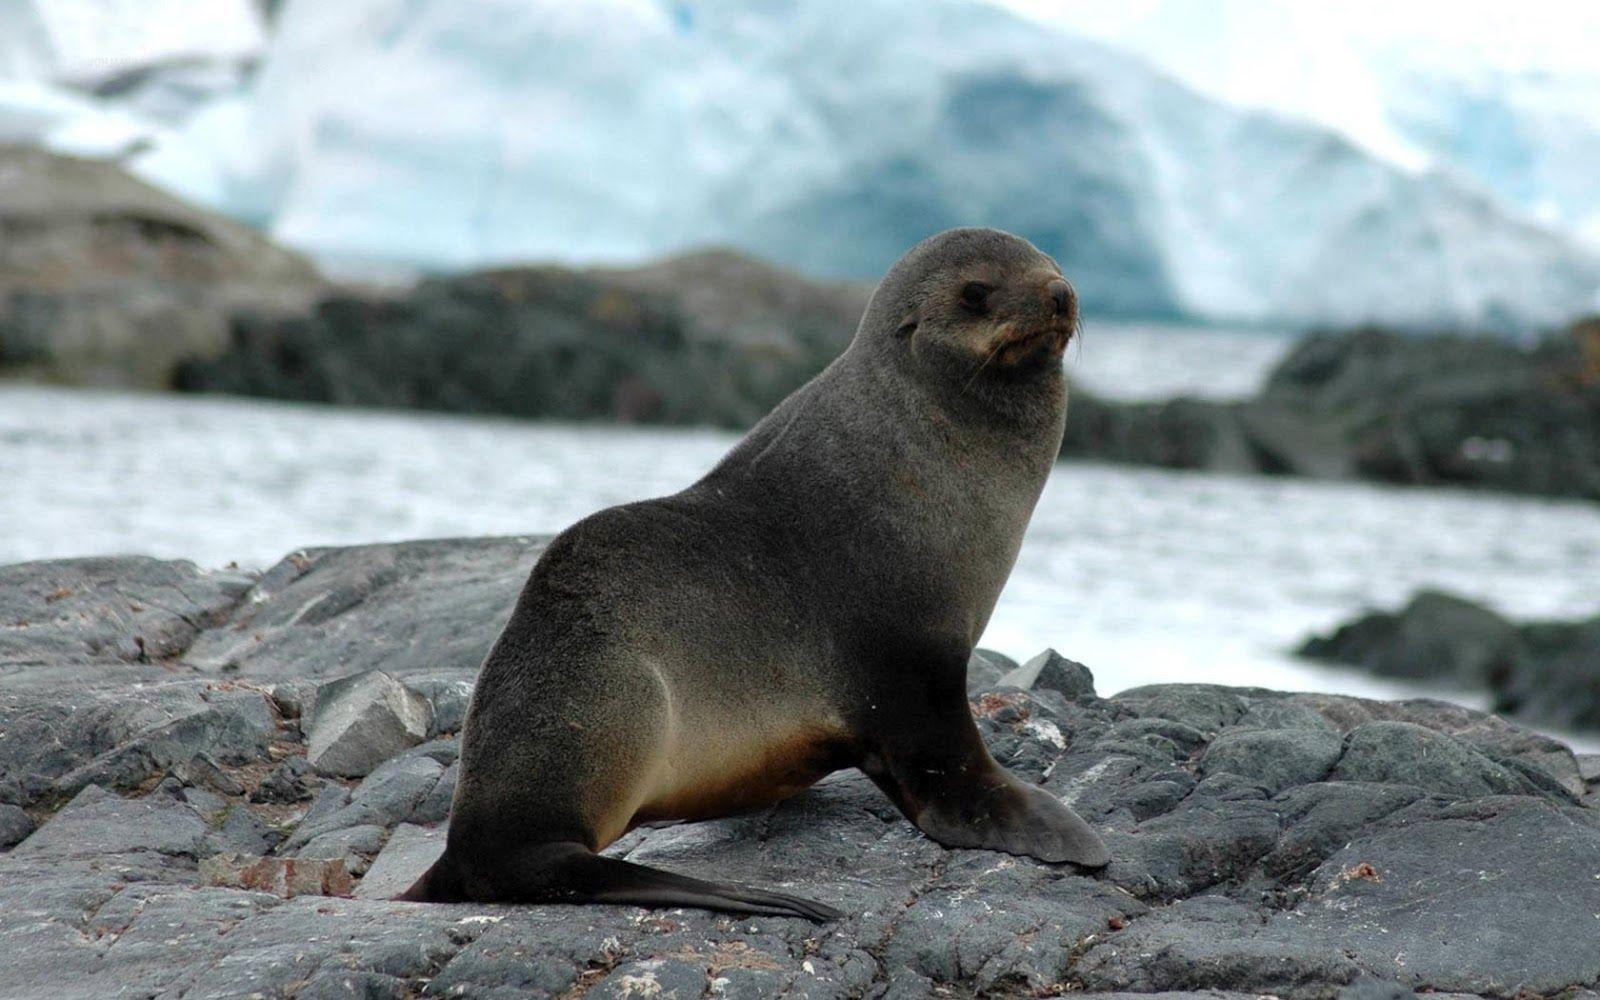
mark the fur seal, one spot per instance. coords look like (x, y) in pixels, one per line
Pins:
(809, 605)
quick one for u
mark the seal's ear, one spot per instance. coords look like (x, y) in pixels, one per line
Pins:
(906, 328)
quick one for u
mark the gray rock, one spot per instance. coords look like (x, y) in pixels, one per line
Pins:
(1589, 767)
(290, 781)
(116, 610)
(1545, 672)
(336, 983)
(204, 770)
(448, 692)
(1374, 989)
(409, 852)
(273, 954)
(65, 725)
(15, 825)
(1263, 843)
(406, 608)
(118, 936)
(203, 801)
(1206, 708)
(1053, 672)
(1273, 758)
(1404, 753)
(111, 281)
(389, 795)
(985, 668)
(97, 822)
(355, 845)
(435, 806)
(1320, 819)
(362, 721)
(1511, 893)
(243, 832)
(330, 800)
(233, 727)
(666, 978)
(1437, 636)
(1380, 405)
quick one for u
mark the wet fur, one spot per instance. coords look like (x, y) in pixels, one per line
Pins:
(807, 606)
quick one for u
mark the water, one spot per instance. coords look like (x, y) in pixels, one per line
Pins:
(1146, 575)
(1141, 361)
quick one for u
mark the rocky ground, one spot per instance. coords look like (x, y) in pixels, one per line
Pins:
(211, 783)
(1546, 673)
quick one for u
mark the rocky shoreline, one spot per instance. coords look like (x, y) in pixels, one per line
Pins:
(211, 781)
(1443, 410)
(105, 281)
(1544, 673)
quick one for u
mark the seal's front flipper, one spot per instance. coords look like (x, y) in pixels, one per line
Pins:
(956, 794)
(1015, 817)
(571, 873)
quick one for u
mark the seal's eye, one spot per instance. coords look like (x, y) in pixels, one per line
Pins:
(975, 295)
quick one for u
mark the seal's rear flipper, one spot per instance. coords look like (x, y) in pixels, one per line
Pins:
(571, 873)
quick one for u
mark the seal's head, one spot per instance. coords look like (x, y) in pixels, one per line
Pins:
(974, 306)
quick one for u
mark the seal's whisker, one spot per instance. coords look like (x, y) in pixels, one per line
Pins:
(993, 353)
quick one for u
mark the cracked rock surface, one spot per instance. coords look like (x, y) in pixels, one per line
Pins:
(170, 839)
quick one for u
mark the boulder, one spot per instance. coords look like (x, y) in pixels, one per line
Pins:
(1545, 672)
(291, 781)
(1437, 636)
(1052, 672)
(15, 825)
(362, 721)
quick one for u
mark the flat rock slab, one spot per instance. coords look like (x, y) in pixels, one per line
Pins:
(402, 608)
(114, 610)
(1302, 846)
(410, 851)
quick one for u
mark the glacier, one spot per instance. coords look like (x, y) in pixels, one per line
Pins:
(829, 136)
(1504, 98)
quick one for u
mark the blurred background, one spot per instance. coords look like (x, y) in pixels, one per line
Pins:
(1339, 265)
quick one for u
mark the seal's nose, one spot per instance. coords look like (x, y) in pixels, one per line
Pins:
(1061, 292)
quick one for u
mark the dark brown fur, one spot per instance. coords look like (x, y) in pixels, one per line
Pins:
(809, 605)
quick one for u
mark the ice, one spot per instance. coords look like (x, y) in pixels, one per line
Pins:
(830, 136)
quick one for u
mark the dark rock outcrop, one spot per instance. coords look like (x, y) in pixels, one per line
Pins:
(709, 337)
(1546, 673)
(1308, 846)
(1370, 404)
(105, 280)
